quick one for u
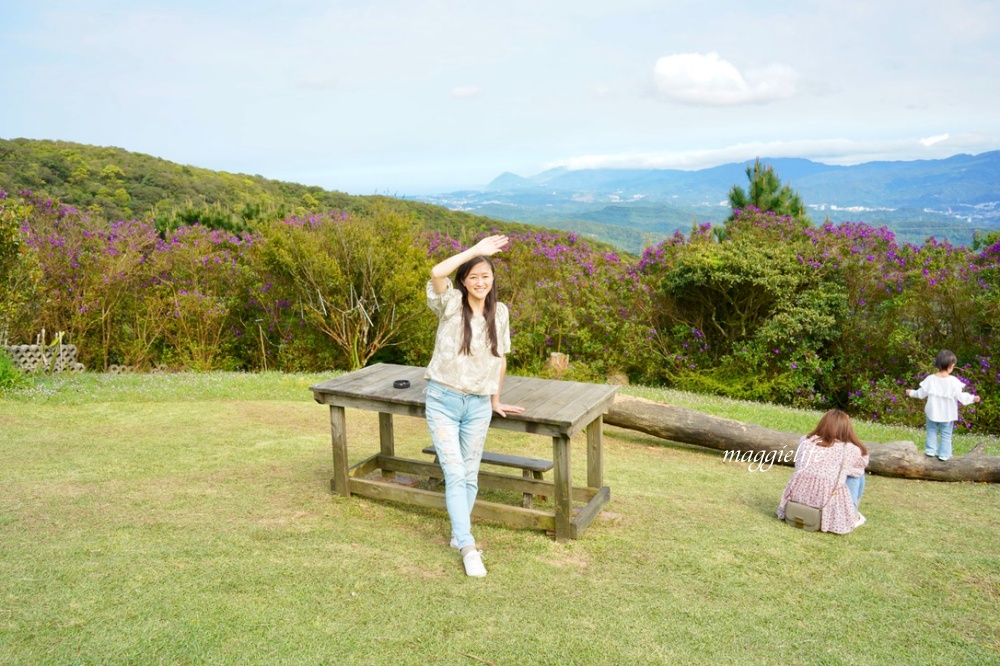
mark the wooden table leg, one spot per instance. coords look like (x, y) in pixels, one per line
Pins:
(387, 441)
(527, 499)
(338, 430)
(595, 453)
(562, 480)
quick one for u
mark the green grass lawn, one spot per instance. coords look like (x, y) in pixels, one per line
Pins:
(187, 519)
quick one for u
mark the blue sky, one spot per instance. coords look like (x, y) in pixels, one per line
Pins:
(426, 97)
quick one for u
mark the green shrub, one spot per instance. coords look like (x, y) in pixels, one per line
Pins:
(19, 273)
(356, 280)
(745, 317)
(11, 377)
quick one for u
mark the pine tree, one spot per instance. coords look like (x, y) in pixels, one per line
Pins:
(766, 193)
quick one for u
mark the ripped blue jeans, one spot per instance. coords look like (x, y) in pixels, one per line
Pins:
(458, 423)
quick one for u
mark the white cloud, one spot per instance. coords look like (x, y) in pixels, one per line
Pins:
(827, 151)
(693, 78)
(931, 140)
(466, 92)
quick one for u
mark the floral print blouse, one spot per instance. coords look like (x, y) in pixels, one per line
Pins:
(479, 372)
(820, 479)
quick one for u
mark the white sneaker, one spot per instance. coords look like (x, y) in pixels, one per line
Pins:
(454, 543)
(473, 561)
(861, 521)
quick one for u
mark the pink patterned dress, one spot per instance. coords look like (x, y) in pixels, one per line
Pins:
(818, 474)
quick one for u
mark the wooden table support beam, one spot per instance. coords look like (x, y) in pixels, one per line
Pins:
(387, 440)
(595, 453)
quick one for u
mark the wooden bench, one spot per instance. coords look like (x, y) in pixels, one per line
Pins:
(530, 467)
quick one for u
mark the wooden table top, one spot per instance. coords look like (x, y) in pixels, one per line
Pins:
(550, 406)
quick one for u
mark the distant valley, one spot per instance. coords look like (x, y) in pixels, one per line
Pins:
(632, 208)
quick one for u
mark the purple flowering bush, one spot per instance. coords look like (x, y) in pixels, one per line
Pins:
(770, 308)
(124, 295)
(906, 304)
(198, 285)
(564, 296)
(834, 315)
(90, 271)
(743, 317)
(347, 284)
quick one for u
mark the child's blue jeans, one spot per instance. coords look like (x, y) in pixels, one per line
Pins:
(856, 485)
(458, 423)
(944, 429)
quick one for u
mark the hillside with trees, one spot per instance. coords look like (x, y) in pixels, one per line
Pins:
(121, 185)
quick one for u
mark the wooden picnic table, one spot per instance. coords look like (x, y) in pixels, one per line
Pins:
(554, 408)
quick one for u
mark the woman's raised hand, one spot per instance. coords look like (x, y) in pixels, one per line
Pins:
(491, 245)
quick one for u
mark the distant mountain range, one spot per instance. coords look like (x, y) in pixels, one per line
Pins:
(947, 198)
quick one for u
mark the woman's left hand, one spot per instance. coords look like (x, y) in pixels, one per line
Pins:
(504, 410)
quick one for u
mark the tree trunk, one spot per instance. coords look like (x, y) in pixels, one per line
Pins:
(758, 445)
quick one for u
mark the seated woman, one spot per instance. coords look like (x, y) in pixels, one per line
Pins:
(825, 459)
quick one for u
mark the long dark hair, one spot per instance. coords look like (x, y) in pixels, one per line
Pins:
(489, 307)
(835, 426)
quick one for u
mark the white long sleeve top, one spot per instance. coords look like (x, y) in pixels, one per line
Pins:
(942, 394)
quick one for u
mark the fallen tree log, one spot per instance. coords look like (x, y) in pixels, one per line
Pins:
(757, 445)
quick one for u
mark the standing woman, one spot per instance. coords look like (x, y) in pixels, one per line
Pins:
(465, 375)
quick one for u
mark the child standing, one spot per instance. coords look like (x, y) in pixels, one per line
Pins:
(941, 391)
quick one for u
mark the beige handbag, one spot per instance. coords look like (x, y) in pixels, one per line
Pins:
(803, 516)
(810, 518)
